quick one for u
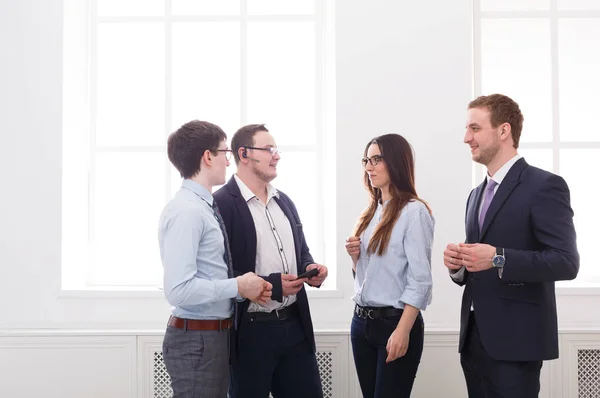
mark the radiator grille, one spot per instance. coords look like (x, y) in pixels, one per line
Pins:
(162, 381)
(588, 373)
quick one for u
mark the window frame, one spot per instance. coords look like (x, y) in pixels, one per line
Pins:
(76, 280)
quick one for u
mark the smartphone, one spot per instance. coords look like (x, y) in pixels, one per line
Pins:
(309, 274)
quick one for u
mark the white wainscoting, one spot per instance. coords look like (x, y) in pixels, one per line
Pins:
(128, 364)
(68, 366)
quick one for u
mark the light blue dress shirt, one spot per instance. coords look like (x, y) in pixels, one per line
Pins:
(403, 274)
(191, 243)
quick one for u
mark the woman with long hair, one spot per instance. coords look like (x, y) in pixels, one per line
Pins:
(391, 254)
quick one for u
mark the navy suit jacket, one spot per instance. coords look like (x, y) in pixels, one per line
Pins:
(242, 240)
(530, 217)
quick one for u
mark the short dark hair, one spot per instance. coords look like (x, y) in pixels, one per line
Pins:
(502, 109)
(187, 145)
(245, 137)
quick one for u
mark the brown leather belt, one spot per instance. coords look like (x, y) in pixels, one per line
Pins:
(199, 324)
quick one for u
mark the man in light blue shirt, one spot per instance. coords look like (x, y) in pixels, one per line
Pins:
(198, 280)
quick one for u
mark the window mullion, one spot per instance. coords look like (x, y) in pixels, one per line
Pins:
(168, 90)
(555, 87)
(243, 62)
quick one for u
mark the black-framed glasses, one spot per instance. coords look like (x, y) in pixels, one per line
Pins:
(228, 153)
(273, 150)
(374, 160)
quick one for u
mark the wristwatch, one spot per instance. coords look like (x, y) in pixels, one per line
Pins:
(498, 260)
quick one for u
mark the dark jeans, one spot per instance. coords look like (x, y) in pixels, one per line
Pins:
(490, 378)
(275, 356)
(377, 378)
(197, 362)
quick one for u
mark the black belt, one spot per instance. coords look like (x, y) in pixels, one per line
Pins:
(275, 315)
(377, 312)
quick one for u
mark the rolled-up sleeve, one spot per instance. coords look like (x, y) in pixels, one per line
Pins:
(418, 243)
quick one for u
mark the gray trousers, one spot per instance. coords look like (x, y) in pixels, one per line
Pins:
(197, 362)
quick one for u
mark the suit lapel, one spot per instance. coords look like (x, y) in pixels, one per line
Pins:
(504, 191)
(472, 223)
(246, 217)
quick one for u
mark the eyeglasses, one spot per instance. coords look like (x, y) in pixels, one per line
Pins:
(374, 160)
(228, 153)
(272, 149)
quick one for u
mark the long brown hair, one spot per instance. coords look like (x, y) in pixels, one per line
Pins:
(398, 158)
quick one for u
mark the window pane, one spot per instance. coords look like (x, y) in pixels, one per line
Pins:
(129, 194)
(130, 86)
(137, 8)
(578, 5)
(205, 7)
(579, 81)
(295, 167)
(206, 74)
(514, 5)
(516, 62)
(281, 7)
(575, 167)
(282, 79)
(541, 158)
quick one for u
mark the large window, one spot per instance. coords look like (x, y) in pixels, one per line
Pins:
(137, 70)
(544, 54)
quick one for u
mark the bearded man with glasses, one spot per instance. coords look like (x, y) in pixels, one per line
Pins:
(275, 341)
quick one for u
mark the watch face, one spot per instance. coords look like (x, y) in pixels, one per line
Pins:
(498, 261)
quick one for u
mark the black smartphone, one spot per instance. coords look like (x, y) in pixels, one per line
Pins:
(309, 274)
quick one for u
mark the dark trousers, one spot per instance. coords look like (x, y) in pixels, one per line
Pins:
(379, 379)
(274, 356)
(490, 378)
(197, 362)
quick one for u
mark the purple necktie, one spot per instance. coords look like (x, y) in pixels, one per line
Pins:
(489, 194)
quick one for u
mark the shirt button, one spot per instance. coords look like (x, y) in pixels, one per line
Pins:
(281, 249)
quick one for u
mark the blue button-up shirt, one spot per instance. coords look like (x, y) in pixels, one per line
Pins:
(191, 243)
(403, 274)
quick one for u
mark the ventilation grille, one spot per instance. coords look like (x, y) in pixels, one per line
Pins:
(588, 373)
(162, 381)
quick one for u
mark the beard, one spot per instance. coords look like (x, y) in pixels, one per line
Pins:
(263, 176)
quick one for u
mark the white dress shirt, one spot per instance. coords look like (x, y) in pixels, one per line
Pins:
(275, 250)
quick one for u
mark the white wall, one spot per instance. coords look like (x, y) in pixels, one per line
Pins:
(402, 67)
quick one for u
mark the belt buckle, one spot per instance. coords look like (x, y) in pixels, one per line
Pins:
(279, 317)
(364, 313)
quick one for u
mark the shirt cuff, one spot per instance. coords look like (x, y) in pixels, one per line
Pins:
(459, 275)
(228, 288)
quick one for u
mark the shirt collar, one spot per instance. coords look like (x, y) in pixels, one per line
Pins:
(503, 171)
(198, 190)
(247, 194)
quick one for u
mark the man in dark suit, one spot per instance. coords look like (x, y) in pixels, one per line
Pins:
(520, 240)
(275, 346)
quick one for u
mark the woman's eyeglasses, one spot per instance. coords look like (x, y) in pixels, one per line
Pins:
(374, 160)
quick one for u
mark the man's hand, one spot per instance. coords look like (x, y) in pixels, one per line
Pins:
(254, 288)
(353, 248)
(452, 259)
(290, 285)
(319, 279)
(476, 256)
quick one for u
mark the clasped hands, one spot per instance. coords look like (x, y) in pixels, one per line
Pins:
(475, 257)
